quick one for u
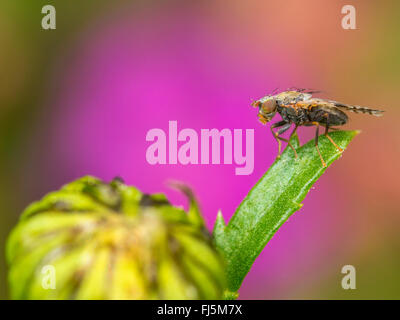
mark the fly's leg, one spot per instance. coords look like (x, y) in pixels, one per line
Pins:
(316, 144)
(285, 126)
(275, 134)
(290, 137)
(293, 132)
(285, 140)
(330, 139)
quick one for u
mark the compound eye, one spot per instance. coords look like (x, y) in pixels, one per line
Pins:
(269, 106)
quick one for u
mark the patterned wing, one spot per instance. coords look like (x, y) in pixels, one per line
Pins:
(329, 104)
(358, 109)
(311, 103)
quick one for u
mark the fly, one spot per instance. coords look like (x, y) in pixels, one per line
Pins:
(298, 107)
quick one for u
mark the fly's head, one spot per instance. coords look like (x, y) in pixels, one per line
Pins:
(266, 108)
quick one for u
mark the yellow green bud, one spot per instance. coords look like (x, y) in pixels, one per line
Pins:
(93, 240)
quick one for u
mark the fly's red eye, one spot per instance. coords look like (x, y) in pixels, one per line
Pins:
(269, 106)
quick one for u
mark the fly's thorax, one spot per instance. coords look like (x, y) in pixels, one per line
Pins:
(293, 115)
(288, 97)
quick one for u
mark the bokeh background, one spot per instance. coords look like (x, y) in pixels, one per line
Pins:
(80, 99)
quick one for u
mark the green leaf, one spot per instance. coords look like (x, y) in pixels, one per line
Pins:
(275, 197)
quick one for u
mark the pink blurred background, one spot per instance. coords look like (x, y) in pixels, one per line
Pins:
(79, 100)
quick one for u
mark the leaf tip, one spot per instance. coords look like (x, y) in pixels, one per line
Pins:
(355, 133)
(219, 228)
(219, 221)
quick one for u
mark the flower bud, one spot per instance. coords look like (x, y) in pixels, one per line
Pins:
(92, 240)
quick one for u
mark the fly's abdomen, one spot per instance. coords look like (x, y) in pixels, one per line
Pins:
(331, 116)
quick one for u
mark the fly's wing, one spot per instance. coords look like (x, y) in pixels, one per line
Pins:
(316, 102)
(358, 109)
(291, 97)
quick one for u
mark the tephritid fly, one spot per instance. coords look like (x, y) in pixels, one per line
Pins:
(296, 106)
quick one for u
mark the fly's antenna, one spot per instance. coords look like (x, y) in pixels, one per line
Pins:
(254, 103)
